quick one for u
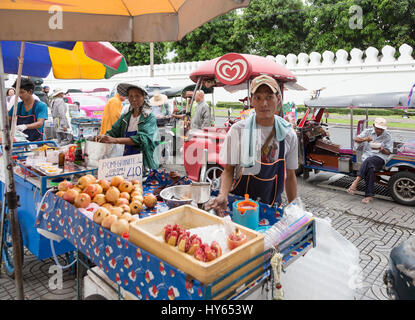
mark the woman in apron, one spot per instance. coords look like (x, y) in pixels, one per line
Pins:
(136, 129)
(31, 113)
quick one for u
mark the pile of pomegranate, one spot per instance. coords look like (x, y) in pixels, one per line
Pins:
(178, 236)
(119, 200)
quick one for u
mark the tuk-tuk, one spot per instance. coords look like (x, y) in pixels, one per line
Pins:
(234, 72)
(317, 152)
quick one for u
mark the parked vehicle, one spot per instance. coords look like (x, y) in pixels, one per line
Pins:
(316, 152)
(92, 105)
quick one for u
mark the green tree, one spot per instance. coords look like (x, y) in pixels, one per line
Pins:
(209, 41)
(139, 53)
(331, 26)
(271, 27)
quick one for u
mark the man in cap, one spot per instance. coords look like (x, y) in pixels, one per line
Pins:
(260, 153)
(377, 144)
(136, 129)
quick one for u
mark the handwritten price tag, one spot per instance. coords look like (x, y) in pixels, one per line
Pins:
(129, 167)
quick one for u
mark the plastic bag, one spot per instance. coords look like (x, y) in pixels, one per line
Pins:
(330, 271)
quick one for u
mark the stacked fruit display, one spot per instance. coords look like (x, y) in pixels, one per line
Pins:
(119, 200)
(191, 244)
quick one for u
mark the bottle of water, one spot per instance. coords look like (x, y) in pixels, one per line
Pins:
(293, 214)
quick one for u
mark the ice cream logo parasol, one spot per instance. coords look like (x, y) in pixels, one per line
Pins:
(101, 232)
(80, 230)
(161, 268)
(49, 227)
(58, 212)
(172, 273)
(69, 221)
(96, 251)
(232, 68)
(147, 258)
(83, 240)
(46, 215)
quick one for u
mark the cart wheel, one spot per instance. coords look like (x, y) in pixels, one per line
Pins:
(213, 173)
(402, 187)
(7, 249)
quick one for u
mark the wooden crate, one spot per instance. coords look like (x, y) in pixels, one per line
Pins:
(145, 233)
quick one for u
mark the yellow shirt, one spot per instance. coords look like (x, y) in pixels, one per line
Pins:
(112, 112)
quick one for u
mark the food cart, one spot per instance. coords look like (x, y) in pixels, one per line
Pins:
(148, 268)
(32, 183)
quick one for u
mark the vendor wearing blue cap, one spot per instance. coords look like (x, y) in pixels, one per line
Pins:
(260, 152)
(136, 129)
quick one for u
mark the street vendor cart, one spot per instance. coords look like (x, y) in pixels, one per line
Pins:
(32, 183)
(147, 268)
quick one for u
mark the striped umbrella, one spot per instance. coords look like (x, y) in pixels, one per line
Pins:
(67, 60)
(109, 20)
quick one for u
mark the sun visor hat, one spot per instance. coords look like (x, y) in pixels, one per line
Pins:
(122, 89)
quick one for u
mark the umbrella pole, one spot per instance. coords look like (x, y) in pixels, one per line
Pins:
(10, 191)
(19, 78)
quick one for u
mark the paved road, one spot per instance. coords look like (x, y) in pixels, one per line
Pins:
(374, 229)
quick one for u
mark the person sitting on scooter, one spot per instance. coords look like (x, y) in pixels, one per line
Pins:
(373, 158)
(31, 113)
(260, 152)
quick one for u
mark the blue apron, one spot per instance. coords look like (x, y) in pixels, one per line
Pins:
(268, 185)
(33, 134)
(130, 150)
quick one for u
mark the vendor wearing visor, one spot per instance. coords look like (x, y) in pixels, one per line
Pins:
(136, 129)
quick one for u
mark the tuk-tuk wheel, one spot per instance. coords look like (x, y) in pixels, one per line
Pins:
(7, 249)
(402, 187)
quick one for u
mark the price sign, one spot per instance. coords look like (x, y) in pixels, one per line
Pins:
(129, 167)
